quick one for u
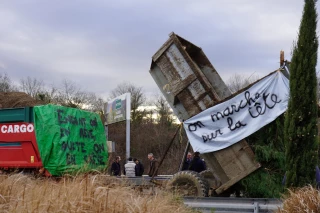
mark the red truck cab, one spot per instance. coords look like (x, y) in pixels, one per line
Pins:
(18, 145)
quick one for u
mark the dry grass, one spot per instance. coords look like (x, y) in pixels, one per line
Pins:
(94, 193)
(306, 199)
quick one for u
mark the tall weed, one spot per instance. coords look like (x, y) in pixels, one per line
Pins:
(91, 193)
(306, 199)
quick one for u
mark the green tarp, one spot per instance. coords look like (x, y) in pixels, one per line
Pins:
(70, 140)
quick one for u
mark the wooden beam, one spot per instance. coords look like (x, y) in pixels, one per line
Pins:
(281, 58)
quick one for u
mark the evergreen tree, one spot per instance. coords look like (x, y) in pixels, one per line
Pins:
(301, 117)
(268, 146)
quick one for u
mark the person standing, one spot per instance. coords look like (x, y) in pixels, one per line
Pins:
(129, 168)
(139, 169)
(115, 167)
(187, 162)
(197, 163)
(153, 165)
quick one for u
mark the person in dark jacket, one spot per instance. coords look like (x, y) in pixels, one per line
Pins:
(187, 162)
(153, 165)
(197, 163)
(115, 167)
(139, 169)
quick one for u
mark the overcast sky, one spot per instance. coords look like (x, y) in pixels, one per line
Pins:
(99, 44)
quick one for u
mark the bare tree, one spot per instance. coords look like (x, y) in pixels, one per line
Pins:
(164, 111)
(32, 86)
(49, 95)
(39, 91)
(138, 98)
(236, 82)
(6, 84)
(95, 103)
(71, 95)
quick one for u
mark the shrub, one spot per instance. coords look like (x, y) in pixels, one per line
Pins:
(306, 199)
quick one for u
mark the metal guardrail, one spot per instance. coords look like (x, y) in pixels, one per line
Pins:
(145, 179)
(216, 204)
(233, 205)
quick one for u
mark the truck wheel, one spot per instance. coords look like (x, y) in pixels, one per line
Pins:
(212, 180)
(188, 183)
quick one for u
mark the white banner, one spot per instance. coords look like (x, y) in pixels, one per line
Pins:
(231, 121)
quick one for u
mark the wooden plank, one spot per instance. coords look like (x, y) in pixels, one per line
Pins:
(234, 180)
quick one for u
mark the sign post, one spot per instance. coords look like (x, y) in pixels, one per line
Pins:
(128, 125)
(117, 110)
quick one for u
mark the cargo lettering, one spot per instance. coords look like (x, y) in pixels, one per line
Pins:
(17, 128)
